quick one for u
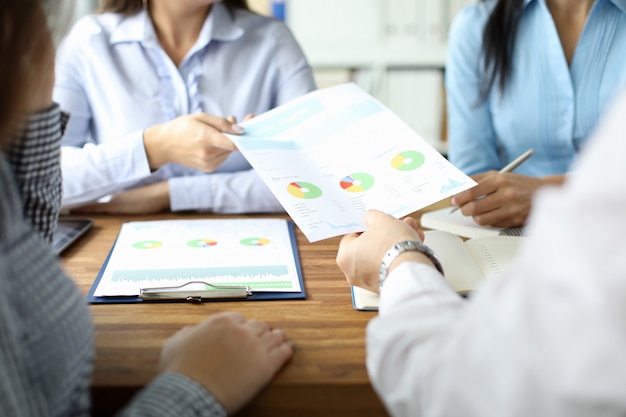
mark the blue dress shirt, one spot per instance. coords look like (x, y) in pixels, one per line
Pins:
(115, 80)
(547, 105)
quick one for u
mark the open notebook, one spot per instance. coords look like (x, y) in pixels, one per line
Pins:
(457, 223)
(466, 264)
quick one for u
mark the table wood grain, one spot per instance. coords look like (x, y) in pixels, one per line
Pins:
(326, 376)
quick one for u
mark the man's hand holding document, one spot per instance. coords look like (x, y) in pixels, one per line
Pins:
(333, 154)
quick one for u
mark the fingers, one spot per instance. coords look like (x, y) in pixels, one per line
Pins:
(279, 349)
(411, 222)
(372, 216)
(258, 327)
(272, 337)
(227, 125)
(486, 185)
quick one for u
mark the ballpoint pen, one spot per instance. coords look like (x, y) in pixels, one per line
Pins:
(509, 167)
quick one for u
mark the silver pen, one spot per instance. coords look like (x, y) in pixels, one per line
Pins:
(509, 167)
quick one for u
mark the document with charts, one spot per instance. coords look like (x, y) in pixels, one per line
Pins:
(332, 154)
(258, 253)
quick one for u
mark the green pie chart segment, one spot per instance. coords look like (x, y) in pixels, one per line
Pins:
(255, 241)
(304, 190)
(148, 244)
(201, 243)
(408, 160)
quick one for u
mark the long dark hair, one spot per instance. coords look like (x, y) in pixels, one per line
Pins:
(24, 44)
(130, 7)
(498, 44)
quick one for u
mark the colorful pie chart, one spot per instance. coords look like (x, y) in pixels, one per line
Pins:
(357, 183)
(255, 241)
(202, 243)
(408, 160)
(306, 190)
(148, 244)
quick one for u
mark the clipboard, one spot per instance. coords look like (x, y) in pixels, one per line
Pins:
(199, 291)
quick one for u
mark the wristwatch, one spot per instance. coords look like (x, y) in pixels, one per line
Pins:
(401, 247)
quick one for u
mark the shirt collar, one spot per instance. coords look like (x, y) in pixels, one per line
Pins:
(620, 4)
(220, 25)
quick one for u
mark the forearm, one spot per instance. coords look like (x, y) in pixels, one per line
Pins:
(34, 157)
(236, 192)
(417, 308)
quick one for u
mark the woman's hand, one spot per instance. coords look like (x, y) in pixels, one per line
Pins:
(233, 358)
(501, 199)
(194, 140)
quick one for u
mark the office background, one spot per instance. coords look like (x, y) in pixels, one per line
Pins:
(394, 49)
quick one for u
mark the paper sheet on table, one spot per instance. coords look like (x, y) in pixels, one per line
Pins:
(332, 154)
(258, 253)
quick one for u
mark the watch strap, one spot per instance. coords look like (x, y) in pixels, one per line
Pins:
(401, 247)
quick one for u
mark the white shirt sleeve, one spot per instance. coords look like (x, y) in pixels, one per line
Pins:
(235, 192)
(545, 339)
(104, 169)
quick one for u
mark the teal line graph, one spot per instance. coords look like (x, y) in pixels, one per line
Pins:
(263, 272)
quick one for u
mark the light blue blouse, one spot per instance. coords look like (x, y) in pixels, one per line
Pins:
(116, 80)
(547, 105)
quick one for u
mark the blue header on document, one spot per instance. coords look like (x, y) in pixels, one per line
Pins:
(281, 122)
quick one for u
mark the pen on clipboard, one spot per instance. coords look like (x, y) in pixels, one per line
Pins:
(195, 291)
(508, 168)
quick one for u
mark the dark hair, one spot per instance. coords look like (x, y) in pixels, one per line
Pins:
(22, 47)
(498, 44)
(130, 7)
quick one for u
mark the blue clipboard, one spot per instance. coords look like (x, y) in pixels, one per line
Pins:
(191, 295)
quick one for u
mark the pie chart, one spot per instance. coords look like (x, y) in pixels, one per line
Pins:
(255, 241)
(305, 190)
(356, 183)
(148, 244)
(202, 243)
(408, 160)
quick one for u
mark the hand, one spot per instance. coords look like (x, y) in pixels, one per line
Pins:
(154, 198)
(501, 199)
(194, 140)
(233, 119)
(233, 358)
(360, 255)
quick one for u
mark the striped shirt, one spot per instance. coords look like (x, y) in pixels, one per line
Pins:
(46, 333)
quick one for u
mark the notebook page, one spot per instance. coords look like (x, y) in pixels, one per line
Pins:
(494, 254)
(459, 267)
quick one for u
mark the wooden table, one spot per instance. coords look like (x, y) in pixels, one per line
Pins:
(326, 377)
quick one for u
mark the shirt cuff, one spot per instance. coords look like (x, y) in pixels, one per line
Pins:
(410, 280)
(173, 394)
